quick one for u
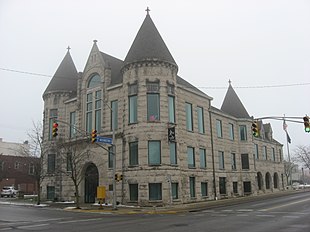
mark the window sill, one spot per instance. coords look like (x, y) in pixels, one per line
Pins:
(154, 165)
(176, 200)
(174, 165)
(153, 121)
(133, 166)
(155, 201)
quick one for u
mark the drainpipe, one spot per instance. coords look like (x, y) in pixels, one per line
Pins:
(212, 154)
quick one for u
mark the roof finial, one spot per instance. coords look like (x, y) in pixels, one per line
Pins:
(95, 41)
(68, 48)
(229, 82)
(147, 11)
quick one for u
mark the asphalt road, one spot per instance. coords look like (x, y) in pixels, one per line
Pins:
(283, 214)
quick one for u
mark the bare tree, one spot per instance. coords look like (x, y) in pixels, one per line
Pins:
(37, 150)
(302, 155)
(288, 166)
(74, 154)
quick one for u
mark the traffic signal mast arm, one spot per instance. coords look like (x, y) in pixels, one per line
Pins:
(287, 119)
(306, 121)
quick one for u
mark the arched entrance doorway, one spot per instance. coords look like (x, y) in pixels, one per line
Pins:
(259, 180)
(268, 180)
(275, 180)
(91, 183)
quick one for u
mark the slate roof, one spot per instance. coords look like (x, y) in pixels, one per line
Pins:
(65, 78)
(188, 85)
(148, 45)
(232, 104)
(115, 65)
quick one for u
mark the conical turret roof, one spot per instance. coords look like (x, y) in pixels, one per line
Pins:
(232, 104)
(148, 45)
(65, 78)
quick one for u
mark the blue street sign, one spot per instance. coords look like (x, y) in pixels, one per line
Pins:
(104, 140)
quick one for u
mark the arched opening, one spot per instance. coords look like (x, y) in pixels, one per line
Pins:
(94, 81)
(275, 180)
(91, 183)
(268, 180)
(259, 180)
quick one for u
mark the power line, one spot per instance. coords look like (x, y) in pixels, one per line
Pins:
(24, 72)
(199, 87)
(258, 86)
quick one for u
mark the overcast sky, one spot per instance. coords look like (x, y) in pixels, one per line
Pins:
(252, 43)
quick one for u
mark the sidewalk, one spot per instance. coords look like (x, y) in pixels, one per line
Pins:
(182, 208)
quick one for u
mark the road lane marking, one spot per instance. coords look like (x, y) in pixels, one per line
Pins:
(3, 229)
(265, 215)
(52, 219)
(31, 226)
(291, 216)
(245, 210)
(288, 204)
(81, 220)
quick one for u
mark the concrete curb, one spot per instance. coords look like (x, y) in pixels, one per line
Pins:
(184, 208)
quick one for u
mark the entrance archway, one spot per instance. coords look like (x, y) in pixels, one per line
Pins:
(268, 180)
(259, 180)
(91, 183)
(275, 180)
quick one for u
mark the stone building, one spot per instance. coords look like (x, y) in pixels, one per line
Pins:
(171, 145)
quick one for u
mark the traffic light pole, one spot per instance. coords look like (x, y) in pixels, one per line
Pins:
(114, 164)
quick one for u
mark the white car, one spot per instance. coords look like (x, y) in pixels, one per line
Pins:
(9, 191)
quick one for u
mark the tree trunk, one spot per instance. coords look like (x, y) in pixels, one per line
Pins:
(39, 193)
(77, 197)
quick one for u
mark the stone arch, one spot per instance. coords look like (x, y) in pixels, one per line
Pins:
(275, 180)
(260, 180)
(268, 180)
(91, 183)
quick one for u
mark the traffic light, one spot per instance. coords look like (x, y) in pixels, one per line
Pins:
(116, 177)
(255, 129)
(55, 129)
(307, 124)
(93, 136)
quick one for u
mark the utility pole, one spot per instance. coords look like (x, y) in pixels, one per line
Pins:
(114, 160)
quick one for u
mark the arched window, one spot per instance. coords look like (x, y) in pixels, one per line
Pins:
(93, 103)
(94, 81)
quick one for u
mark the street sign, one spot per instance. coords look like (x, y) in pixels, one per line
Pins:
(171, 134)
(104, 140)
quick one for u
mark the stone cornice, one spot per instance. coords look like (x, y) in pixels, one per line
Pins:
(149, 63)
